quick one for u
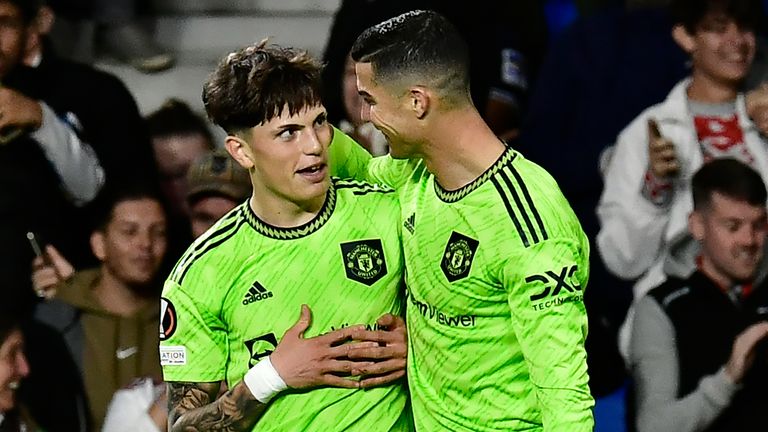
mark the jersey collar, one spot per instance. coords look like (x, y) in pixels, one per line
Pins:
(279, 233)
(455, 195)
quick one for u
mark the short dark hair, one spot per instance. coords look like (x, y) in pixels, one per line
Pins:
(690, 13)
(420, 42)
(176, 118)
(730, 178)
(253, 85)
(28, 9)
(111, 197)
(10, 320)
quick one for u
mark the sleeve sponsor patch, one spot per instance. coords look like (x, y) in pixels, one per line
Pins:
(173, 355)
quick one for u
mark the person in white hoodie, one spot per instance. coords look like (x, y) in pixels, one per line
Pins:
(646, 200)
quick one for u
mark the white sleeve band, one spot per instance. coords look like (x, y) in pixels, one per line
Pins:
(263, 381)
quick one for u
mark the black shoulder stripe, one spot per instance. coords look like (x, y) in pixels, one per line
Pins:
(209, 246)
(190, 255)
(520, 206)
(531, 205)
(511, 212)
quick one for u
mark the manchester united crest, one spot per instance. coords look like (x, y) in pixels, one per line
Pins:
(364, 261)
(458, 256)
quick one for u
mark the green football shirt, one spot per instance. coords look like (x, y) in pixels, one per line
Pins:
(240, 286)
(496, 273)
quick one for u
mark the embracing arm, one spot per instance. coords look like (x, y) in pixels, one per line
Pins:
(190, 407)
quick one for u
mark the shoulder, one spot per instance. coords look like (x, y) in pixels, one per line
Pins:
(218, 246)
(359, 188)
(669, 292)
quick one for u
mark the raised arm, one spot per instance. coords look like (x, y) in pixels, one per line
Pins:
(634, 206)
(347, 159)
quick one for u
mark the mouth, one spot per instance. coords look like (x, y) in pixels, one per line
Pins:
(314, 173)
(13, 385)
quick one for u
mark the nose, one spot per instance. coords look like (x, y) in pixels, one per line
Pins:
(313, 145)
(22, 366)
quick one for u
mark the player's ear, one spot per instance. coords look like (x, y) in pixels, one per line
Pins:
(98, 246)
(238, 148)
(683, 38)
(419, 101)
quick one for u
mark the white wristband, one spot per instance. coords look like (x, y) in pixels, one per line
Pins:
(263, 381)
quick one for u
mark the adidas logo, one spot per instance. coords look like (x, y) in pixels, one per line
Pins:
(256, 293)
(410, 223)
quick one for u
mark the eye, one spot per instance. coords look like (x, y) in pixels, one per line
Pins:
(287, 134)
(321, 120)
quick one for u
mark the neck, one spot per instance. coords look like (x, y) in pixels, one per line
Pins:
(116, 297)
(707, 90)
(461, 148)
(280, 212)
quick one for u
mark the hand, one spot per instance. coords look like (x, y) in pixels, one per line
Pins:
(661, 153)
(49, 271)
(390, 352)
(317, 361)
(757, 107)
(158, 411)
(743, 352)
(19, 111)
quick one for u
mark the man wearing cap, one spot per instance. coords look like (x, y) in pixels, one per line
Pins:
(216, 185)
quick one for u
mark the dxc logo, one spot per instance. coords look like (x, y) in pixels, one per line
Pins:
(261, 346)
(560, 282)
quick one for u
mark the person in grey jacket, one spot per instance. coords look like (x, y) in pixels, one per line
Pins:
(697, 351)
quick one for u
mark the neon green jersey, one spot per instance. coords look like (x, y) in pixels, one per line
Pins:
(241, 285)
(496, 273)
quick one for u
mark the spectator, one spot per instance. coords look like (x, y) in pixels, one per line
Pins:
(13, 369)
(46, 166)
(216, 185)
(645, 203)
(140, 407)
(109, 315)
(695, 339)
(582, 88)
(179, 136)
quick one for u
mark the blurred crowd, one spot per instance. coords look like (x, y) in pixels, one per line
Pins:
(651, 115)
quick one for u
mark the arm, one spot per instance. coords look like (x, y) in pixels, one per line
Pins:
(654, 364)
(347, 159)
(545, 284)
(631, 226)
(190, 408)
(296, 363)
(73, 160)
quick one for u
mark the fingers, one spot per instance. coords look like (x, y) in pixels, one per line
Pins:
(375, 381)
(377, 352)
(339, 336)
(62, 266)
(298, 329)
(749, 338)
(380, 336)
(379, 368)
(390, 322)
(653, 129)
(335, 381)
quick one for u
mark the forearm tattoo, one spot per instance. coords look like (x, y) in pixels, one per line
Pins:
(191, 410)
